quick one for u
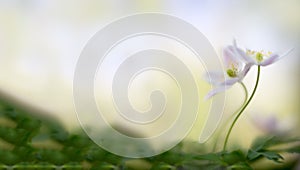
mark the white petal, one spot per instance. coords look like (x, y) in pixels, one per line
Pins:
(230, 81)
(287, 52)
(274, 57)
(246, 58)
(245, 70)
(222, 87)
(214, 77)
(236, 56)
(215, 91)
(230, 56)
(242, 55)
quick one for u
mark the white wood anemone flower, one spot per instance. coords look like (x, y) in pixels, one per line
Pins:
(236, 70)
(237, 63)
(261, 58)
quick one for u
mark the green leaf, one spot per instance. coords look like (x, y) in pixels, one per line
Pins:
(104, 166)
(95, 153)
(215, 157)
(262, 143)
(233, 157)
(74, 154)
(162, 166)
(8, 158)
(241, 166)
(252, 155)
(59, 135)
(272, 156)
(52, 156)
(267, 142)
(295, 149)
(224, 158)
(29, 124)
(261, 148)
(14, 136)
(24, 152)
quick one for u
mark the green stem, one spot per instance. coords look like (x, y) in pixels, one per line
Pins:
(246, 92)
(231, 116)
(242, 110)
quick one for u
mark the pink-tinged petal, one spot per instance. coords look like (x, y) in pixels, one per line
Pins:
(246, 58)
(274, 57)
(243, 56)
(245, 71)
(230, 56)
(236, 56)
(287, 52)
(230, 81)
(214, 77)
(215, 91)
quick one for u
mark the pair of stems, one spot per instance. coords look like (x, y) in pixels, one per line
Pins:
(223, 126)
(244, 106)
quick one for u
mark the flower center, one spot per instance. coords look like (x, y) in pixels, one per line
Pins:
(232, 72)
(258, 55)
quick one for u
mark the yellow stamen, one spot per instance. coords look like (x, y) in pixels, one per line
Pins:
(259, 56)
(233, 72)
(269, 53)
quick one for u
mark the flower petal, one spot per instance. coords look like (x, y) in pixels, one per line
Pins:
(230, 81)
(215, 91)
(247, 59)
(230, 57)
(274, 57)
(242, 55)
(222, 87)
(245, 70)
(214, 77)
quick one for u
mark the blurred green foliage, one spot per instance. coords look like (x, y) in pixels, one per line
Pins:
(33, 142)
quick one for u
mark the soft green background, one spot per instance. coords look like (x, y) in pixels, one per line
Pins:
(40, 42)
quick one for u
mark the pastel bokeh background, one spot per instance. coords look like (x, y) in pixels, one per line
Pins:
(40, 42)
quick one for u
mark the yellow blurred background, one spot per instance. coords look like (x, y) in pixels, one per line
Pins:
(40, 42)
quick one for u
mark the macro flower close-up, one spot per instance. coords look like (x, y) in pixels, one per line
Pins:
(237, 63)
(149, 85)
(236, 70)
(262, 58)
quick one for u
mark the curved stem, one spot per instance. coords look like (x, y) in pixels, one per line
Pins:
(242, 110)
(231, 116)
(246, 93)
